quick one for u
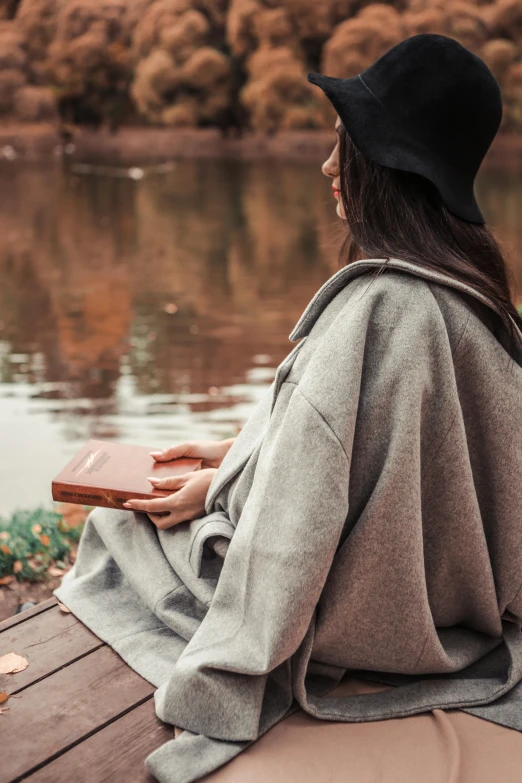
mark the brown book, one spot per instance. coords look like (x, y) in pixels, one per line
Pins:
(105, 473)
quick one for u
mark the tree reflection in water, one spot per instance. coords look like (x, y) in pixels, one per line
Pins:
(157, 310)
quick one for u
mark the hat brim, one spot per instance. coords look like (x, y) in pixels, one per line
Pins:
(381, 138)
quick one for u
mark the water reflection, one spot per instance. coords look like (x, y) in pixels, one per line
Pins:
(156, 309)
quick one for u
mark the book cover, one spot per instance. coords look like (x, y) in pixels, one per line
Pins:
(107, 473)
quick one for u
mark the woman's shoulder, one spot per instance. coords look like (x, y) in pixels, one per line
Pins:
(427, 311)
(395, 295)
(396, 311)
(395, 288)
(393, 299)
(392, 332)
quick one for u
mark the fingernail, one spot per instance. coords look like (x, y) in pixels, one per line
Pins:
(127, 505)
(153, 480)
(155, 453)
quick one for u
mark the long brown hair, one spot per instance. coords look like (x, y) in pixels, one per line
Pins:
(398, 214)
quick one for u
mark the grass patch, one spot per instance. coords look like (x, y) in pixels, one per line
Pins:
(40, 543)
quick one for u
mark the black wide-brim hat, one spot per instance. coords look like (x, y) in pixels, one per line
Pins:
(428, 106)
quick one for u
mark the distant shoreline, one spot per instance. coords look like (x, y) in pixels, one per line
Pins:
(151, 145)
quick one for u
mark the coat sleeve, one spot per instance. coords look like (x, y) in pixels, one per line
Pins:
(273, 574)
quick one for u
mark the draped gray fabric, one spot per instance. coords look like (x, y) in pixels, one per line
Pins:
(372, 510)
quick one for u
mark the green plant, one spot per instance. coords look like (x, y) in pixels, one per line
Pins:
(32, 542)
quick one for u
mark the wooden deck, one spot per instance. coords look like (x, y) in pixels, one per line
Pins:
(77, 712)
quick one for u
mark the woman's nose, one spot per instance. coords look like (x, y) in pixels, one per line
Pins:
(330, 167)
(325, 168)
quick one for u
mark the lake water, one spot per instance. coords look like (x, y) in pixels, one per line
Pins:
(156, 309)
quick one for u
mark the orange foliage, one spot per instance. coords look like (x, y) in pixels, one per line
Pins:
(227, 62)
(34, 104)
(278, 94)
(180, 78)
(89, 58)
(12, 64)
(357, 42)
(464, 21)
(36, 20)
(270, 36)
(499, 54)
(12, 53)
(505, 18)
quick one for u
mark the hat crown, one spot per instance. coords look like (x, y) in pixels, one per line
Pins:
(443, 92)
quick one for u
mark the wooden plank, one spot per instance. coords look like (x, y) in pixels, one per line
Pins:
(61, 710)
(16, 619)
(49, 641)
(116, 753)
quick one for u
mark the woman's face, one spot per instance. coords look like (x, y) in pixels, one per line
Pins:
(330, 168)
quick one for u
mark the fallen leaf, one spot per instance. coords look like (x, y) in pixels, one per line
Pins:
(63, 607)
(4, 709)
(33, 562)
(4, 535)
(5, 549)
(17, 566)
(54, 571)
(12, 663)
(3, 697)
(6, 580)
(45, 540)
(36, 529)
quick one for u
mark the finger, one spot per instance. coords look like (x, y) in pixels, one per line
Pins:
(186, 449)
(169, 482)
(157, 504)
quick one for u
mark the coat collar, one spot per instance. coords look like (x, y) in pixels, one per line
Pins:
(337, 282)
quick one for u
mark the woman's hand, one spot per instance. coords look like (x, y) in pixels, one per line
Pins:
(186, 503)
(190, 489)
(211, 452)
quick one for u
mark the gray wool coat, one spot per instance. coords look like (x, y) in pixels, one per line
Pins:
(373, 505)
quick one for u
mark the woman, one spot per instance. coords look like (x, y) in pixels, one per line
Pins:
(366, 518)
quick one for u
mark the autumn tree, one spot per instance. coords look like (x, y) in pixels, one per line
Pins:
(182, 75)
(228, 63)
